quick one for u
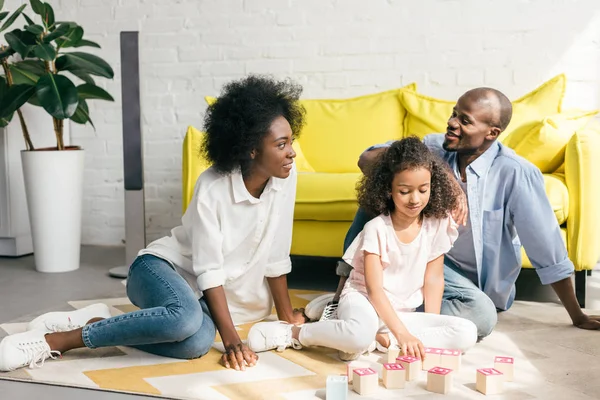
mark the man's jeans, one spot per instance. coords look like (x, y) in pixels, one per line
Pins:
(462, 298)
(171, 322)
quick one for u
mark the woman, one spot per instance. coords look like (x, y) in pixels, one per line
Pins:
(231, 249)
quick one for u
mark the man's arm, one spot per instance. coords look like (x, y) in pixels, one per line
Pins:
(540, 235)
(368, 158)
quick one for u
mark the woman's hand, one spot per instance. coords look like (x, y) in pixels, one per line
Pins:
(410, 345)
(238, 356)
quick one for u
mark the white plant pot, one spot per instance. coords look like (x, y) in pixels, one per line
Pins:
(53, 187)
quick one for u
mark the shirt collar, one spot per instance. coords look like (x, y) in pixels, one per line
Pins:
(483, 162)
(240, 193)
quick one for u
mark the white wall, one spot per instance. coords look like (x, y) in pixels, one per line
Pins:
(335, 48)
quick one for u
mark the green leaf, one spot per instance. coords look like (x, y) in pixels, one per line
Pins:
(88, 43)
(3, 86)
(48, 16)
(4, 121)
(71, 38)
(45, 52)
(14, 39)
(87, 78)
(3, 15)
(1, 4)
(29, 20)
(16, 96)
(58, 32)
(7, 53)
(21, 76)
(37, 6)
(35, 66)
(35, 29)
(87, 91)
(12, 18)
(82, 114)
(88, 63)
(58, 95)
(34, 101)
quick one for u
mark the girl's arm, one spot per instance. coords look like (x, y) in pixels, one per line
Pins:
(409, 344)
(433, 288)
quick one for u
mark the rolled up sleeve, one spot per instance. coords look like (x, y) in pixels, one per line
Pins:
(538, 228)
(279, 262)
(207, 245)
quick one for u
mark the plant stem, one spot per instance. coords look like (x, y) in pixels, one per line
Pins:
(58, 131)
(9, 81)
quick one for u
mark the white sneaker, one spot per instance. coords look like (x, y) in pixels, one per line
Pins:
(69, 320)
(330, 311)
(353, 356)
(266, 336)
(314, 309)
(22, 349)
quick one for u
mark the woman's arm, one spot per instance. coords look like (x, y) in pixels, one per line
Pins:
(433, 288)
(374, 282)
(235, 351)
(283, 305)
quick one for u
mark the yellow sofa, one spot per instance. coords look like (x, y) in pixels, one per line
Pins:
(564, 144)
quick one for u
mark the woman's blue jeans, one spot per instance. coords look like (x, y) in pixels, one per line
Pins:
(171, 322)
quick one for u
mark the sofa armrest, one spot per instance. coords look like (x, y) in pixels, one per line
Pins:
(193, 164)
(582, 166)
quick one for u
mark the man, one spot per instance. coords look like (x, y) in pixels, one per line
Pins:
(507, 207)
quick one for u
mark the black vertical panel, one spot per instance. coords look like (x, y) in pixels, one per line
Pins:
(130, 96)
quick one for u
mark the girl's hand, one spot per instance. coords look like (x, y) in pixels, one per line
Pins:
(410, 345)
(238, 356)
(298, 317)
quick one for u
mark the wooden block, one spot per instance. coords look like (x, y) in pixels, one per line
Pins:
(451, 359)
(489, 381)
(365, 381)
(394, 376)
(412, 365)
(392, 354)
(433, 358)
(506, 365)
(336, 387)
(351, 366)
(439, 380)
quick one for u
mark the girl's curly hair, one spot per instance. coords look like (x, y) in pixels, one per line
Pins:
(409, 153)
(241, 116)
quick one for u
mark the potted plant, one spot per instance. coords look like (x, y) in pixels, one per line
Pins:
(39, 63)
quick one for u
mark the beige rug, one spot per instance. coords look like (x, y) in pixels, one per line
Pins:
(552, 361)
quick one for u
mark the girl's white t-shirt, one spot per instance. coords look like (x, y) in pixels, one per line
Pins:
(403, 264)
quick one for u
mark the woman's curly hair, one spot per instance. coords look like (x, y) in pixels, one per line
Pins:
(236, 123)
(374, 189)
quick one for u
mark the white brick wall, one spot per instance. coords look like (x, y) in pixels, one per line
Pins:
(335, 48)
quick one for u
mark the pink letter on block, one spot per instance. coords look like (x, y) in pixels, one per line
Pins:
(504, 360)
(393, 366)
(364, 371)
(440, 371)
(489, 371)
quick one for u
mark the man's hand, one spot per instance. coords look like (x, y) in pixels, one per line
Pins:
(589, 322)
(461, 211)
(238, 356)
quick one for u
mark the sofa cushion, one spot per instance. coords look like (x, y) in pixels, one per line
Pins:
(326, 196)
(544, 145)
(427, 115)
(558, 194)
(337, 131)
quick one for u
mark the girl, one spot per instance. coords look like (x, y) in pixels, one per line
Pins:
(398, 265)
(232, 246)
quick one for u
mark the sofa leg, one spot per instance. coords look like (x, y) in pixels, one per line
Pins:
(589, 272)
(580, 285)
